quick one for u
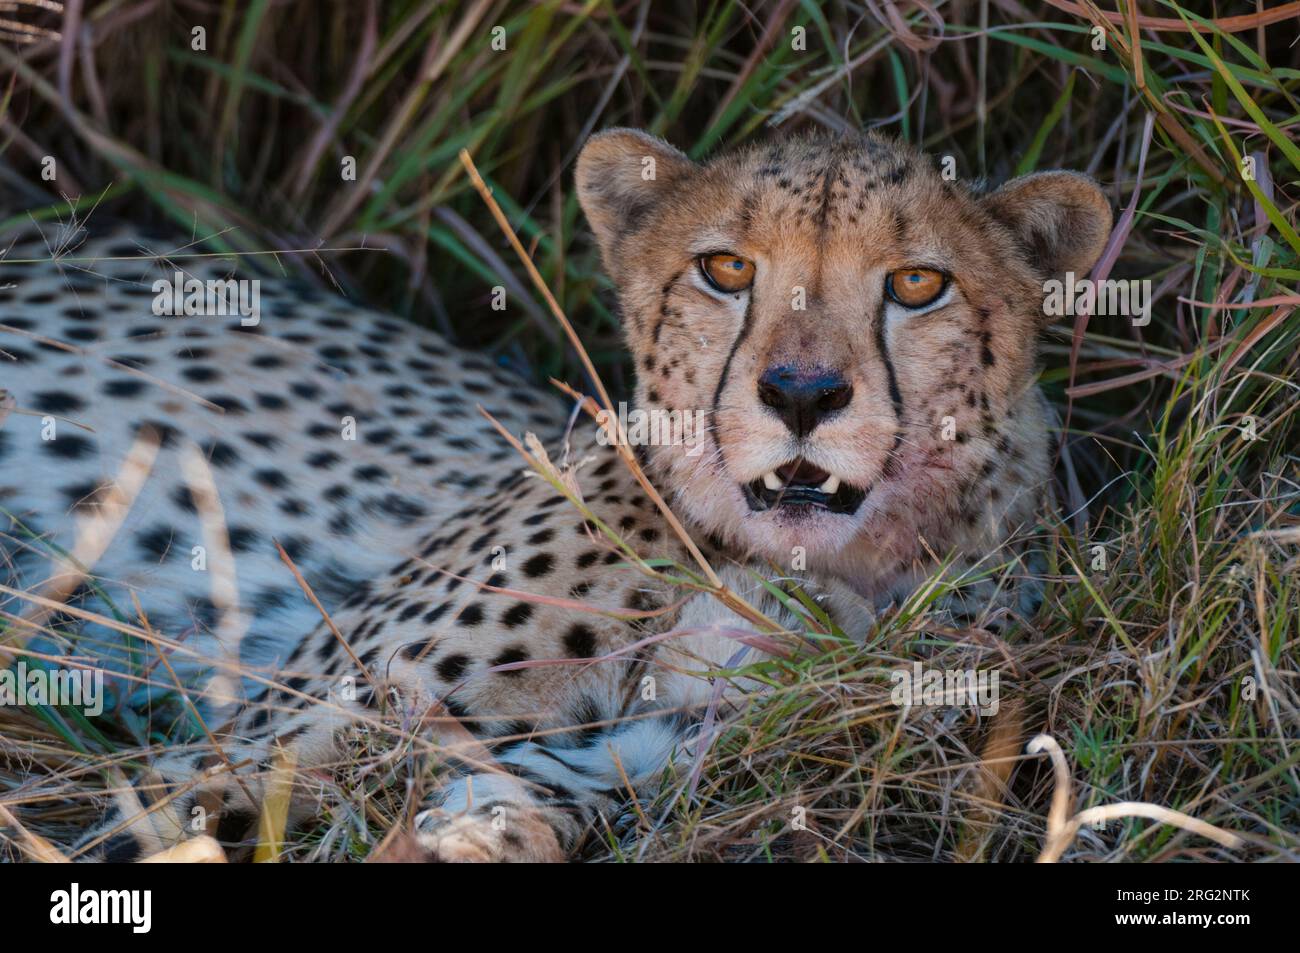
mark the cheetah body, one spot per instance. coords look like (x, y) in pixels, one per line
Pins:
(454, 587)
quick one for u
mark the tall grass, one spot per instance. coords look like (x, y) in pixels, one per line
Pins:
(1165, 662)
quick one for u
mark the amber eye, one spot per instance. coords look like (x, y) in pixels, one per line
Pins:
(727, 273)
(916, 287)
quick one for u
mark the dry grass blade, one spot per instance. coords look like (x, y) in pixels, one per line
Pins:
(1235, 24)
(621, 438)
(273, 822)
(197, 850)
(94, 536)
(334, 629)
(37, 847)
(1061, 829)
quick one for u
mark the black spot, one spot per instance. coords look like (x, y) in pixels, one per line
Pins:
(471, 616)
(243, 538)
(57, 402)
(271, 478)
(70, 447)
(539, 565)
(292, 506)
(516, 653)
(220, 454)
(234, 825)
(184, 499)
(156, 543)
(295, 546)
(411, 611)
(517, 615)
(396, 506)
(264, 440)
(122, 848)
(586, 713)
(268, 600)
(641, 601)
(323, 460)
(414, 650)
(580, 641)
(436, 613)
(452, 668)
(81, 495)
(202, 374)
(230, 405)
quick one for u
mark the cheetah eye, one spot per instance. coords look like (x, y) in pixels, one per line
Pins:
(915, 287)
(727, 273)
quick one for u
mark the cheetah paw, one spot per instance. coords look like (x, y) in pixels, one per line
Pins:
(507, 835)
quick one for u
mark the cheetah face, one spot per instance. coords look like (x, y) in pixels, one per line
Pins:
(849, 324)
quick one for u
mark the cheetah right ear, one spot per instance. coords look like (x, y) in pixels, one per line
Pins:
(622, 175)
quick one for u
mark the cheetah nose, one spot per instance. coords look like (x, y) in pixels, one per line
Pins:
(803, 399)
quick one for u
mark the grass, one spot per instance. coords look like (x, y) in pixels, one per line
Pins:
(1164, 663)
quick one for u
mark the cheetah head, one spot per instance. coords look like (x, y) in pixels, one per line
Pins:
(850, 323)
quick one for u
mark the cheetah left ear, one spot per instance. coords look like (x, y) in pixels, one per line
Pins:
(1061, 219)
(622, 175)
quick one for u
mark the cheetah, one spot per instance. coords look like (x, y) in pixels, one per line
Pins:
(316, 519)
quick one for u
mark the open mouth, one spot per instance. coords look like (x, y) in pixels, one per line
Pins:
(799, 483)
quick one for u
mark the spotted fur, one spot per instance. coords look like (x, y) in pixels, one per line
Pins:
(424, 539)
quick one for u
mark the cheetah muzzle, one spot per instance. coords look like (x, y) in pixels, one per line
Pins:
(801, 484)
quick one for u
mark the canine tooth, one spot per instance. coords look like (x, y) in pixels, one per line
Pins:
(772, 481)
(831, 485)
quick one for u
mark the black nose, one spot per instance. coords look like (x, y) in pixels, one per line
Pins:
(803, 399)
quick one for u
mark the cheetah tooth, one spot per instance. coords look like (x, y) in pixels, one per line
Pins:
(831, 485)
(772, 481)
